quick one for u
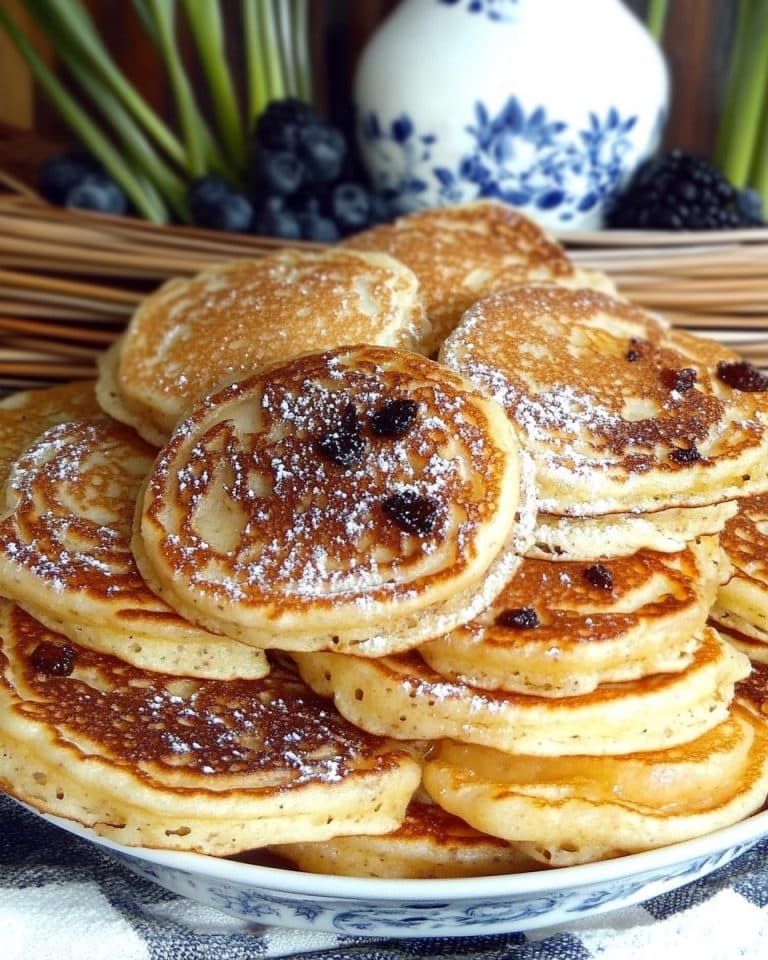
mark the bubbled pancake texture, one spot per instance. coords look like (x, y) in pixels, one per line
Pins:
(465, 254)
(225, 323)
(514, 621)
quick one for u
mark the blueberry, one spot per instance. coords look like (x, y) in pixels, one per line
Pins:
(98, 192)
(350, 207)
(278, 126)
(321, 149)
(276, 171)
(234, 213)
(316, 227)
(59, 173)
(274, 220)
(205, 195)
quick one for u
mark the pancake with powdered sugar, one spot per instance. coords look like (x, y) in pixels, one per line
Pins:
(564, 629)
(65, 553)
(620, 413)
(741, 607)
(212, 766)
(464, 252)
(364, 498)
(196, 333)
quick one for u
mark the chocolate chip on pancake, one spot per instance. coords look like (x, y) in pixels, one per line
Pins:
(249, 527)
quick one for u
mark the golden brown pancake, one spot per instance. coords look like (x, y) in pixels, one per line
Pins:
(364, 498)
(429, 843)
(620, 413)
(65, 554)
(197, 333)
(567, 810)
(26, 414)
(400, 696)
(741, 607)
(463, 253)
(175, 763)
(621, 534)
(563, 629)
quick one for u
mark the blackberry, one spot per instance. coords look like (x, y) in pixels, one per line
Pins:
(682, 191)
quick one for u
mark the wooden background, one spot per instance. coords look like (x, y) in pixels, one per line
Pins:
(696, 45)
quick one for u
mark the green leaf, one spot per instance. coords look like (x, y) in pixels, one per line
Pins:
(164, 15)
(146, 201)
(204, 17)
(68, 20)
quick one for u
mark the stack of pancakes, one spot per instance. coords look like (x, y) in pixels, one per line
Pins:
(431, 557)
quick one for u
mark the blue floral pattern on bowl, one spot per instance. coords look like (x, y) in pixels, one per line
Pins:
(524, 157)
(513, 911)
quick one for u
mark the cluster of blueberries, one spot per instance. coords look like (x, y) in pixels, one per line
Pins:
(300, 183)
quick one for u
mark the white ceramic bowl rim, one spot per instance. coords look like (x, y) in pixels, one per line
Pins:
(275, 879)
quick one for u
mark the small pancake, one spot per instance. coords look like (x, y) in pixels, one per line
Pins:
(563, 629)
(402, 697)
(464, 252)
(429, 843)
(620, 413)
(744, 635)
(26, 414)
(65, 554)
(621, 534)
(752, 691)
(563, 811)
(364, 498)
(741, 607)
(205, 765)
(194, 334)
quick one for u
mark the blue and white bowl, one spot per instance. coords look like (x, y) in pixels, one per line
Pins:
(547, 104)
(433, 908)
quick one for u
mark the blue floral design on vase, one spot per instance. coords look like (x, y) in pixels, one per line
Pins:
(493, 9)
(529, 160)
(521, 100)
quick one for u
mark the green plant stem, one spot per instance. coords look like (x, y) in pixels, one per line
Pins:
(204, 18)
(270, 49)
(164, 14)
(146, 202)
(215, 160)
(300, 47)
(656, 18)
(135, 144)
(255, 68)
(68, 19)
(758, 176)
(737, 140)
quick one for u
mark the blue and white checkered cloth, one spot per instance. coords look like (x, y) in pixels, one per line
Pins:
(62, 898)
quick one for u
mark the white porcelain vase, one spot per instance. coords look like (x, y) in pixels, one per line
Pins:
(547, 104)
